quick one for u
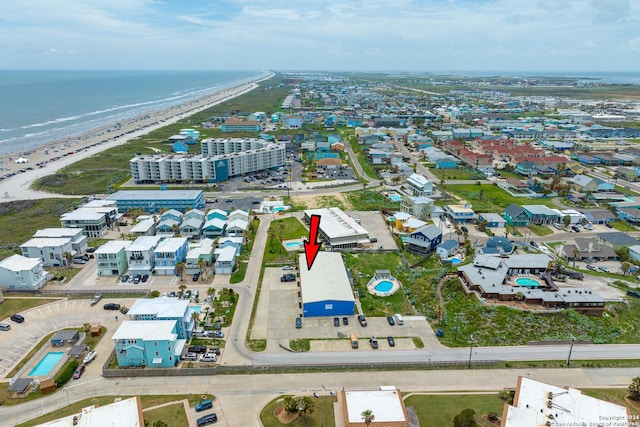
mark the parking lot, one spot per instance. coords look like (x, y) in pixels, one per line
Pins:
(374, 223)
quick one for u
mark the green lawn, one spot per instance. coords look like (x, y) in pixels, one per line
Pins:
(491, 198)
(439, 410)
(172, 415)
(540, 230)
(623, 226)
(12, 304)
(366, 165)
(19, 220)
(458, 174)
(370, 200)
(321, 416)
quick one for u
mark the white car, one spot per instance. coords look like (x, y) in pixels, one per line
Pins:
(89, 357)
(209, 357)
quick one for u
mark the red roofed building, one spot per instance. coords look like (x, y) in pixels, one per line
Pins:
(475, 159)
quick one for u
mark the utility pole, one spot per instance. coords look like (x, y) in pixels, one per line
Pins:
(570, 349)
(470, 350)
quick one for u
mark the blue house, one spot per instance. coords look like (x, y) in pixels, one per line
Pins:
(447, 248)
(180, 147)
(214, 227)
(353, 122)
(153, 201)
(497, 245)
(447, 163)
(424, 240)
(152, 343)
(168, 253)
(164, 308)
(493, 220)
(515, 215)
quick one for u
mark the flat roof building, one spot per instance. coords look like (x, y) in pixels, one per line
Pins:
(338, 229)
(385, 403)
(124, 413)
(325, 289)
(156, 200)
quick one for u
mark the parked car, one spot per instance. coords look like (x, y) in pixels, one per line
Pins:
(179, 294)
(391, 341)
(96, 298)
(145, 277)
(17, 318)
(345, 321)
(287, 267)
(362, 320)
(603, 269)
(336, 321)
(204, 405)
(557, 225)
(209, 357)
(373, 342)
(206, 420)
(534, 244)
(172, 294)
(197, 349)
(218, 334)
(137, 278)
(79, 261)
(125, 278)
(5, 327)
(190, 356)
(89, 357)
(591, 267)
(111, 306)
(187, 294)
(78, 372)
(298, 323)
(608, 225)
(196, 277)
(391, 320)
(575, 228)
(464, 229)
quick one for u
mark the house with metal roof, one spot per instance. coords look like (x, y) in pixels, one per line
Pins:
(111, 258)
(164, 308)
(140, 255)
(168, 253)
(337, 229)
(152, 343)
(541, 214)
(617, 239)
(19, 273)
(424, 240)
(418, 185)
(325, 289)
(515, 215)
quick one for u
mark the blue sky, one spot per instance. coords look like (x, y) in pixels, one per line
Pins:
(374, 35)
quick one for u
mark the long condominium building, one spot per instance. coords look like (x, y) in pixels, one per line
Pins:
(221, 159)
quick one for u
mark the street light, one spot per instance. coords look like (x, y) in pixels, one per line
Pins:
(570, 349)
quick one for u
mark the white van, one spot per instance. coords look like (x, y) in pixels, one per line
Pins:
(399, 319)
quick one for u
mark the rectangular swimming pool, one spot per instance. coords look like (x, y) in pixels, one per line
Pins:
(44, 366)
(395, 197)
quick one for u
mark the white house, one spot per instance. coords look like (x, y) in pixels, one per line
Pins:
(144, 227)
(140, 254)
(420, 207)
(225, 260)
(418, 185)
(78, 239)
(18, 273)
(50, 250)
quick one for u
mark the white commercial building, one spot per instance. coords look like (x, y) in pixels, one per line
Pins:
(18, 273)
(539, 404)
(386, 404)
(337, 229)
(326, 291)
(123, 413)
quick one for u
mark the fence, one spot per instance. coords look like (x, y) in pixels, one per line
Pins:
(90, 292)
(255, 369)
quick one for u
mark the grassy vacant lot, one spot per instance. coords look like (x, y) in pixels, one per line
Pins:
(172, 415)
(540, 230)
(623, 226)
(458, 173)
(370, 200)
(102, 172)
(491, 198)
(146, 401)
(280, 230)
(19, 220)
(321, 416)
(439, 410)
(500, 325)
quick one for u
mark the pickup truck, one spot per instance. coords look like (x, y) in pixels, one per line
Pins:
(96, 298)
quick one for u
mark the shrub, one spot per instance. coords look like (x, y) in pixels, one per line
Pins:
(465, 419)
(66, 373)
(634, 389)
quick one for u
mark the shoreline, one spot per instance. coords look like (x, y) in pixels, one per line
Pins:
(92, 142)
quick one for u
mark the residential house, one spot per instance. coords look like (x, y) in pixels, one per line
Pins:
(235, 242)
(94, 221)
(599, 216)
(292, 122)
(18, 273)
(588, 184)
(225, 260)
(515, 215)
(236, 227)
(420, 207)
(78, 239)
(168, 253)
(460, 213)
(201, 250)
(111, 258)
(152, 343)
(629, 214)
(418, 185)
(497, 245)
(493, 220)
(634, 252)
(588, 249)
(192, 224)
(144, 227)
(541, 215)
(169, 222)
(526, 168)
(447, 249)
(233, 124)
(214, 227)
(164, 308)
(424, 240)
(617, 239)
(140, 255)
(51, 251)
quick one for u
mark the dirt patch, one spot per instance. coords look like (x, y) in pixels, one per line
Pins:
(313, 201)
(283, 416)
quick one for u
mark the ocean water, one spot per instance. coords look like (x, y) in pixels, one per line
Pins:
(37, 107)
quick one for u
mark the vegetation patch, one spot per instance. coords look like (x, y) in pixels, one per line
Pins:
(370, 200)
(169, 415)
(318, 412)
(450, 405)
(540, 230)
(489, 197)
(300, 345)
(12, 304)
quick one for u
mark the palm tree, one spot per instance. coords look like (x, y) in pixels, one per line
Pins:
(290, 404)
(180, 267)
(575, 253)
(175, 228)
(202, 265)
(67, 257)
(367, 416)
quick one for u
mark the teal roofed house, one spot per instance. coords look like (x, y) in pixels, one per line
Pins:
(152, 343)
(515, 216)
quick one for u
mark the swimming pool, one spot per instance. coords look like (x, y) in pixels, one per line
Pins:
(383, 286)
(194, 309)
(278, 209)
(455, 260)
(47, 363)
(527, 282)
(395, 197)
(292, 245)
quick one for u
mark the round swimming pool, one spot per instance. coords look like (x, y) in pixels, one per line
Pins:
(527, 282)
(383, 286)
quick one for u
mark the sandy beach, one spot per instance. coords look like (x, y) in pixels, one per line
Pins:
(85, 145)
